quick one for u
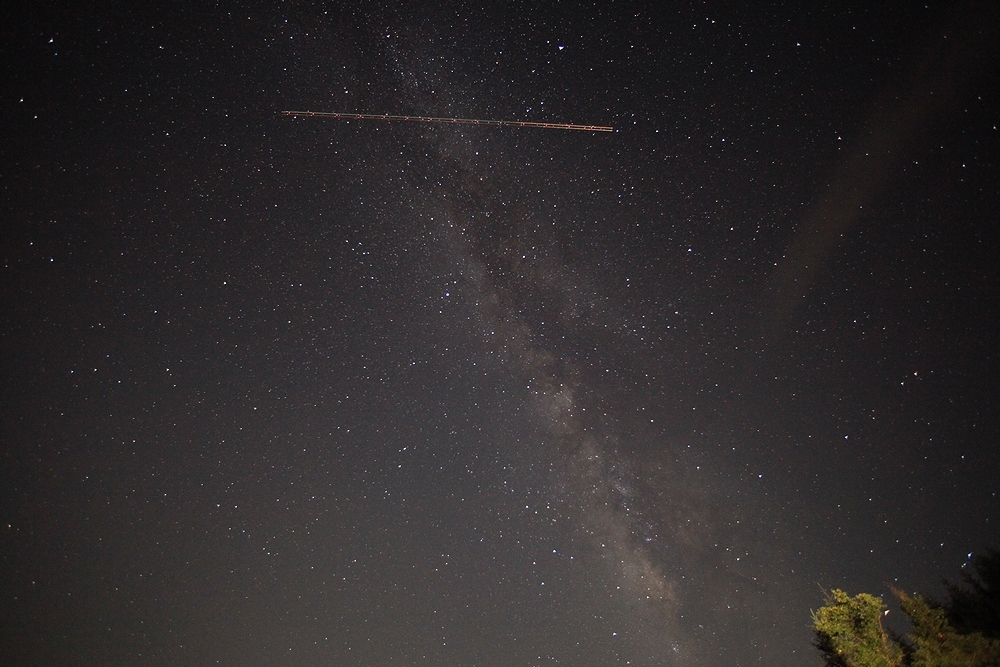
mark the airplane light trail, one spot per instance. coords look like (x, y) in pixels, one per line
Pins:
(451, 121)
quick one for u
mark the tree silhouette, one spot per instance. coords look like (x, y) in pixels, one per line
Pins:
(974, 604)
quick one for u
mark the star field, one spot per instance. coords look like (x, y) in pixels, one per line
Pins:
(305, 391)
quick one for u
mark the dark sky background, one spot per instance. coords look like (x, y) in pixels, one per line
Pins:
(308, 392)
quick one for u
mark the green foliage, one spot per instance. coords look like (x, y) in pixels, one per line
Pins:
(936, 643)
(964, 632)
(849, 632)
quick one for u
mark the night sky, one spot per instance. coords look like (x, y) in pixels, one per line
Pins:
(299, 391)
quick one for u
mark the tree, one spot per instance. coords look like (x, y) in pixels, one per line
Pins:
(962, 632)
(936, 642)
(975, 606)
(849, 632)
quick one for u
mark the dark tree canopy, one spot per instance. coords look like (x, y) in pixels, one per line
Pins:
(974, 604)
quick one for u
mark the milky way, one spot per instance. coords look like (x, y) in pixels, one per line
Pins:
(310, 391)
(642, 546)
